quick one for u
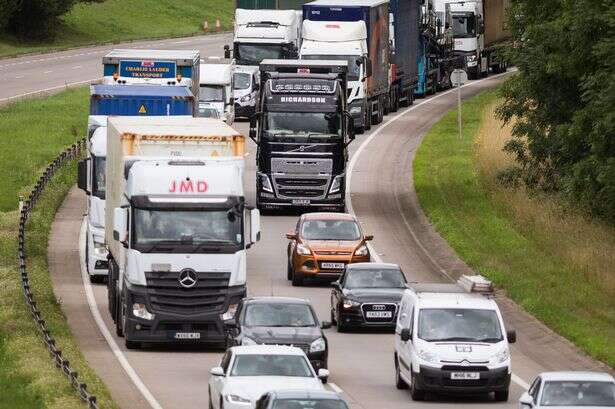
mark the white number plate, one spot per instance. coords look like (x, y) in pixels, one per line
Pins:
(465, 375)
(379, 314)
(187, 335)
(301, 202)
(335, 266)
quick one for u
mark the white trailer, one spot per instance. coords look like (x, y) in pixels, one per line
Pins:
(216, 88)
(177, 228)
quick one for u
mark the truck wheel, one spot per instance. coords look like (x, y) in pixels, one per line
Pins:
(399, 382)
(395, 106)
(120, 321)
(111, 286)
(415, 393)
(406, 102)
(368, 117)
(386, 106)
(297, 279)
(501, 396)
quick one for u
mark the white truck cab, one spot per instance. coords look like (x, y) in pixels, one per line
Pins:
(216, 87)
(451, 338)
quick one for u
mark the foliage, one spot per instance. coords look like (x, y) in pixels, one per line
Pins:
(564, 99)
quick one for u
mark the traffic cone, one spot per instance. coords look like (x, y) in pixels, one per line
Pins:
(205, 26)
(217, 24)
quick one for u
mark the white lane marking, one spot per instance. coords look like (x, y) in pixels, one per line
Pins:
(68, 85)
(47, 72)
(516, 379)
(335, 388)
(76, 67)
(180, 42)
(19, 76)
(89, 294)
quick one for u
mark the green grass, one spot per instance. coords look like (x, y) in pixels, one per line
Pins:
(33, 133)
(487, 228)
(120, 20)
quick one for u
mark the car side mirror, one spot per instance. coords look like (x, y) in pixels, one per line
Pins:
(369, 237)
(227, 51)
(526, 401)
(511, 335)
(217, 371)
(120, 225)
(291, 235)
(406, 334)
(323, 375)
(325, 324)
(82, 175)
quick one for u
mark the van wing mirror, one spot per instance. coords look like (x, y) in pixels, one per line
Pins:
(406, 334)
(511, 335)
(120, 224)
(227, 51)
(526, 401)
(82, 175)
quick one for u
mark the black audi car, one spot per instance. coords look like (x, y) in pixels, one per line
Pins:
(367, 295)
(280, 321)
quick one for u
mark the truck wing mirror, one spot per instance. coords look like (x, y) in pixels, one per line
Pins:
(120, 224)
(227, 51)
(368, 68)
(82, 175)
(254, 222)
(253, 124)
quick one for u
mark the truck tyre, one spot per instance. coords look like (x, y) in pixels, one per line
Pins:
(368, 117)
(501, 396)
(120, 321)
(380, 112)
(111, 286)
(297, 279)
(395, 105)
(399, 382)
(415, 393)
(407, 98)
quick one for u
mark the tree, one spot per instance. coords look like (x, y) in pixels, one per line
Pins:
(7, 9)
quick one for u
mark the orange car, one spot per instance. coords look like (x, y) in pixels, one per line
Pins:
(322, 244)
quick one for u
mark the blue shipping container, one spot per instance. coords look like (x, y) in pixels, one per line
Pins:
(136, 100)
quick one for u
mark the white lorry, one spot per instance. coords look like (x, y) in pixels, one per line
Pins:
(451, 338)
(177, 228)
(265, 34)
(216, 88)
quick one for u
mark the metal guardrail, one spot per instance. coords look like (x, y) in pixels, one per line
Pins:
(25, 207)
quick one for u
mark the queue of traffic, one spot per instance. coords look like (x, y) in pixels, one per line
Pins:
(169, 224)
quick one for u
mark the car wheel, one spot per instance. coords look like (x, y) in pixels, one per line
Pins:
(341, 327)
(297, 279)
(289, 270)
(399, 382)
(416, 393)
(501, 396)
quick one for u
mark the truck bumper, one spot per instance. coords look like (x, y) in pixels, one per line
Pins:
(439, 380)
(245, 111)
(199, 326)
(294, 191)
(96, 257)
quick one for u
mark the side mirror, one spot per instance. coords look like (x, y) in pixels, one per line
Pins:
(369, 237)
(82, 175)
(526, 401)
(227, 51)
(217, 371)
(368, 67)
(406, 334)
(511, 335)
(230, 324)
(257, 87)
(337, 284)
(120, 224)
(252, 134)
(325, 324)
(323, 375)
(291, 235)
(255, 225)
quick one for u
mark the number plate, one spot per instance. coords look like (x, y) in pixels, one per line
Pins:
(301, 202)
(379, 314)
(187, 335)
(334, 266)
(465, 375)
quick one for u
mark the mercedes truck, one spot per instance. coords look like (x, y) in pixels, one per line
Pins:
(177, 228)
(302, 129)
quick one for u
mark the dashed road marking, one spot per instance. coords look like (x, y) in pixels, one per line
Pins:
(335, 388)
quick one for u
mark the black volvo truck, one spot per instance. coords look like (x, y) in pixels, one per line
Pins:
(302, 128)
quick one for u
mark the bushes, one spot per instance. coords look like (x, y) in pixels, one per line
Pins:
(564, 99)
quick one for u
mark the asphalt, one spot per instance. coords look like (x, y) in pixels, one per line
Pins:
(383, 198)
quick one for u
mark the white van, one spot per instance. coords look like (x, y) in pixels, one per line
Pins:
(246, 87)
(451, 338)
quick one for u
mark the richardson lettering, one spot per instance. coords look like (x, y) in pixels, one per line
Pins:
(188, 186)
(305, 100)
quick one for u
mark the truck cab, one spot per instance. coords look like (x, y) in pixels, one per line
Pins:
(468, 34)
(265, 34)
(216, 87)
(302, 129)
(451, 338)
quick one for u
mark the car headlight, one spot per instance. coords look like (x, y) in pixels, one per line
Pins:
(237, 399)
(246, 98)
(303, 250)
(99, 248)
(355, 110)
(230, 313)
(248, 341)
(140, 311)
(350, 303)
(361, 251)
(265, 183)
(336, 184)
(428, 356)
(501, 356)
(318, 345)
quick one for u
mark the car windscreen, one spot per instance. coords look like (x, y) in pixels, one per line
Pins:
(281, 124)
(278, 315)
(578, 394)
(374, 278)
(354, 69)
(242, 80)
(211, 93)
(309, 404)
(459, 324)
(271, 365)
(330, 230)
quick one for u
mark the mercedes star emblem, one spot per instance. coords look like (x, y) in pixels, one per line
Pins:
(187, 278)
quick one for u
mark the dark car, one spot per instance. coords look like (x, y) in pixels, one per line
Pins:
(298, 399)
(280, 321)
(367, 295)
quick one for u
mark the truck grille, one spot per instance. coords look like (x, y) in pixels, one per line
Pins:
(167, 295)
(378, 307)
(303, 166)
(301, 182)
(301, 186)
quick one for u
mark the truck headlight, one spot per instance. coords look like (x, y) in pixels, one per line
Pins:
(99, 248)
(350, 303)
(140, 311)
(336, 185)
(428, 356)
(501, 356)
(237, 399)
(248, 341)
(471, 57)
(355, 110)
(246, 98)
(303, 250)
(318, 345)
(361, 251)
(266, 183)
(230, 313)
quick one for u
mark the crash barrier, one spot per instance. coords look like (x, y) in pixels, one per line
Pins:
(25, 207)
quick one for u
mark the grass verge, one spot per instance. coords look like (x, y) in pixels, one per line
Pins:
(28, 379)
(117, 20)
(550, 259)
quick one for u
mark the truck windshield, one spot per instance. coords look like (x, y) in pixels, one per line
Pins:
(253, 54)
(354, 69)
(187, 228)
(464, 25)
(242, 80)
(454, 324)
(211, 93)
(282, 124)
(98, 181)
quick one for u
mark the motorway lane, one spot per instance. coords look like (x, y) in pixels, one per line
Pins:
(52, 72)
